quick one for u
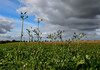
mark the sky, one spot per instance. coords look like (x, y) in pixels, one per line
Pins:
(68, 15)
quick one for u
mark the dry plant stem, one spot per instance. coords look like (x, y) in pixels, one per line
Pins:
(78, 42)
(22, 16)
(29, 36)
(38, 30)
(22, 30)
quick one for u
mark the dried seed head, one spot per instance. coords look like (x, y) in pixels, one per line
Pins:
(26, 17)
(80, 35)
(25, 12)
(22, 16)
(21, 12)
(74, 32)
(41, 19)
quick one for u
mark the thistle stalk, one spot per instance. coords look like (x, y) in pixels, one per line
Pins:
(22, 30)
(22, 16)
(39, 20)
(38, 29)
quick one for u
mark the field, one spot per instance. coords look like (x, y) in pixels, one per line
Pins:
(50, 56)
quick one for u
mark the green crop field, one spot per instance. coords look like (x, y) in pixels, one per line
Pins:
(28, 56)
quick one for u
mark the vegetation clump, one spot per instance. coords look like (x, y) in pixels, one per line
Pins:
(33, 57)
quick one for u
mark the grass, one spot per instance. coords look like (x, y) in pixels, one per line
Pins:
(50, 56)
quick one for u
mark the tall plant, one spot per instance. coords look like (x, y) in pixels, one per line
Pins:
(52, 36)
(39, 20)
(22, 17)
(30, 34)
(59, 34)
(78, 36)
(36, 33)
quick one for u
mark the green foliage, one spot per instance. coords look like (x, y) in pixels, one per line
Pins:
(49, 57)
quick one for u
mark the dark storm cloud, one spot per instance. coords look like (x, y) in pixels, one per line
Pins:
(84, 13)
(83, 24)
(6, 24)
(84, 8)
(72, 15)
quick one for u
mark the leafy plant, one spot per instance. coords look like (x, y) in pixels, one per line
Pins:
(37, 34)
(78, 36)
(30, 35)
(39, 20)
(56, 35)
(47, 57)
(52, 36)
(59, 34)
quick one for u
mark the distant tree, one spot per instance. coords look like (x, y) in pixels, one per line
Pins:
(14, 41)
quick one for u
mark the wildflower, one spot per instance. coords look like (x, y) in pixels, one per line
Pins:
(87, 57)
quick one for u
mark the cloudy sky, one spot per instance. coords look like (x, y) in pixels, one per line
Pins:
(69, 15)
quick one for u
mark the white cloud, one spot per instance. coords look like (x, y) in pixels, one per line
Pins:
(6, 24)
(11, 28)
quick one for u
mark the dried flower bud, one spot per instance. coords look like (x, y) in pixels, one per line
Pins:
(25, 12)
